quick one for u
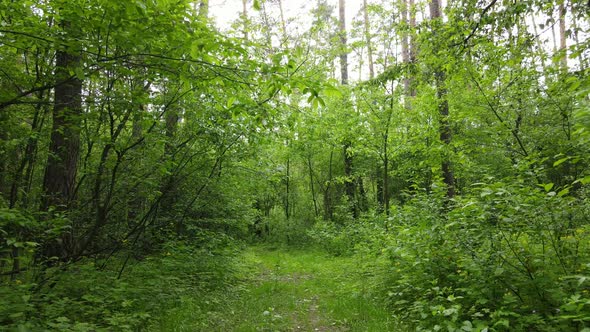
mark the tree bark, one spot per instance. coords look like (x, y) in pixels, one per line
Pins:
(287, 189)
(405, 49)
(4, 191)
(313, 195)
(349, 184)
(328, 210)
(64, 149)
(342, 34)
(562, 36)
(368, 40)
(24, 172)
(412, 37)
(412, 45)
(443, 110)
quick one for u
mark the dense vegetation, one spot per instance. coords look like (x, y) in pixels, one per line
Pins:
(440, 148)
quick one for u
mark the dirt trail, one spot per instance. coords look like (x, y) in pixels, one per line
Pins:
(290, 290)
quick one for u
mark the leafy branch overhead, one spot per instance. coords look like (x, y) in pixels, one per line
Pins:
(360, 165)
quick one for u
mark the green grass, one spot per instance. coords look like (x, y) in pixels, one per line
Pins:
(285, 290)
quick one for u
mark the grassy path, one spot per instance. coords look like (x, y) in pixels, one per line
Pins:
(289, 290)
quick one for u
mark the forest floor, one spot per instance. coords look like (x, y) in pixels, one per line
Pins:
(287, 290)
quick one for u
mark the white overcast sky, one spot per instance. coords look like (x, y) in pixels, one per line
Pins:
(226, 11)
(297, 15)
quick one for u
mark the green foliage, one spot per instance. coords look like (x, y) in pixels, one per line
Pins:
(358, 236)
(90, 296)
(190, 139)
(504, 258)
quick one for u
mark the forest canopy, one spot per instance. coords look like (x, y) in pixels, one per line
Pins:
(442, 145)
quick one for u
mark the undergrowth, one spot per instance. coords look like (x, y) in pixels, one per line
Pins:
(91, 295)
(500, 258)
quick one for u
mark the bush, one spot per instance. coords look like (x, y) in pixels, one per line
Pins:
(506, 258)
(92, 295)
(365, 234)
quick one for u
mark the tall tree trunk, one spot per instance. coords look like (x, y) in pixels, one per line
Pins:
(385, 178)
(412, 35)
(342, 34)
(575, 29)
(167, 186)
(311, 185)
(61, 170)
(386, 154)
(22, 175)
(368, 39)
(412, 42)
(379, 188)
(405, 49)
(328, 209)
(443, 108)
(287, 189)
(562, 36)
(62, 163)
(349, 183)
(4, 190)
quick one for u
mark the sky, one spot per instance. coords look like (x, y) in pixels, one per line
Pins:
(226, 11)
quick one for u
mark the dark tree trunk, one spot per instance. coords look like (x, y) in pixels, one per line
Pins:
(379, 190)
(405, 50)
(328, 209)
(24, 172)
(64, 149)
(313, 194)
(368, 39)
(61, 170)
(287, 190)
(349, 185)
(343, 52)
(443, 111)
(169, 199)
(562, 36)
(4, 191)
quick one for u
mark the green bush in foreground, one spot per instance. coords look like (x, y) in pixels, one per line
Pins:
(506, 258)
(86, 297)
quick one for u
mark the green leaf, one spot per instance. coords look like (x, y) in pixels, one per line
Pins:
(256, 5)
(321, 101)
(230, 102)
(548, 187)
(560, 161)
(585, 180)
(563, 192)
(79, 73)
(332, 91)
(314, 103)
(195, 49)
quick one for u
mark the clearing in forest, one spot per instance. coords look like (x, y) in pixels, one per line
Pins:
(290, 290)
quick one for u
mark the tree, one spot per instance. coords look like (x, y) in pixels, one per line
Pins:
(368, 39)
(441, 95)
(61, 171)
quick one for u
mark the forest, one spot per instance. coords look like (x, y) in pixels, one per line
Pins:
(283, 165)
